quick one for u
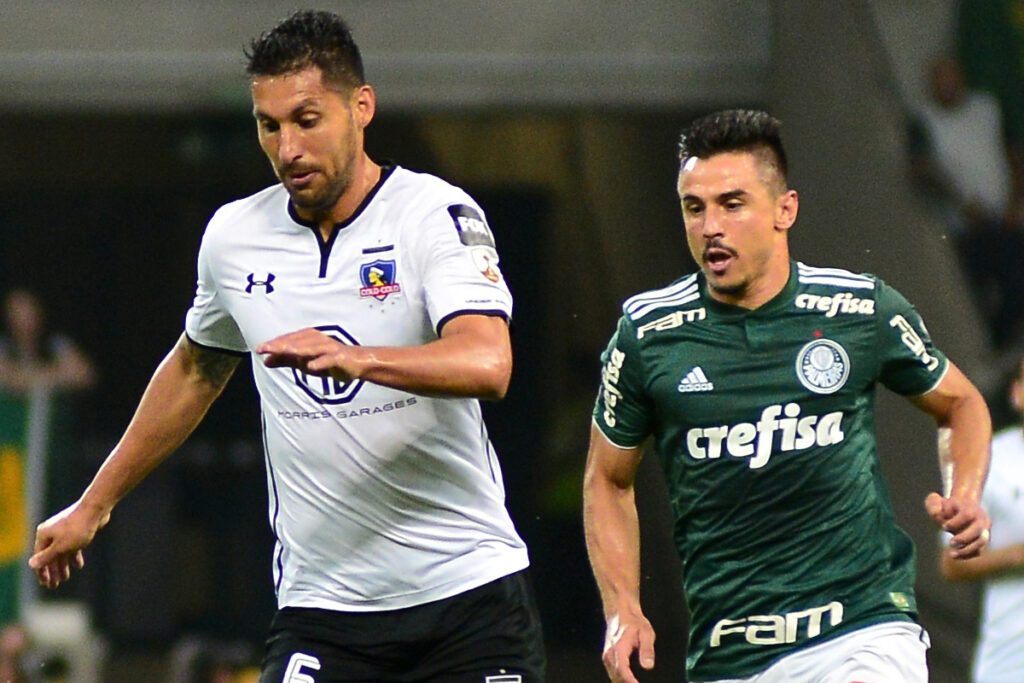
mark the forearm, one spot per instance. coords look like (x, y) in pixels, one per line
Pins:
(21, 378)
(970, 435)
(613, 543)
(1005, 561)
(472, 358)
(74, 371)
(175, 401)
(445, 367)
(965, 433)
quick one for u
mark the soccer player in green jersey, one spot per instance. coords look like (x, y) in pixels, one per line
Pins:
(755, 378)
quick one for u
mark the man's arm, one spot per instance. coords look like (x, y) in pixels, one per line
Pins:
(180, 392)
(957, 404)
(613, 544)
(472, 358)
(70, 370)
(988, 564)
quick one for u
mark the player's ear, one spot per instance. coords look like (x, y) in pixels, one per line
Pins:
(364, 105)
(786, 207)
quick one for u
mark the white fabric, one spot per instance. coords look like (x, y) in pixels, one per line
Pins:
(884, 653)
(379, 499)
(1000, 653)
(967, 144)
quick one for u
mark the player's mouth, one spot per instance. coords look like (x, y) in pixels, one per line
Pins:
(300, 179)
(718, 258)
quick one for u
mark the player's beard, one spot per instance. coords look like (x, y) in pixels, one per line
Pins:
(320, 204)
(733, 290)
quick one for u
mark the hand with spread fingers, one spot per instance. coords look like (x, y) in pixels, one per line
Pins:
(310, 351)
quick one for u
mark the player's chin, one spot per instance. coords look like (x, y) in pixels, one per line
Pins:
(724, 285)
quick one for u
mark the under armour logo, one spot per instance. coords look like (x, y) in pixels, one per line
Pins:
(253, 282)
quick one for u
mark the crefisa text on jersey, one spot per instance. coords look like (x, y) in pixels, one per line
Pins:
(609, 383)
(843, 302)
(324, 414)
(757, 440)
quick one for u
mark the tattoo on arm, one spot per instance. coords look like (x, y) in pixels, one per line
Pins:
(213, 367)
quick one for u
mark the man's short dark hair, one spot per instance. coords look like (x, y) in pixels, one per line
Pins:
(735, 130)
(308, 38)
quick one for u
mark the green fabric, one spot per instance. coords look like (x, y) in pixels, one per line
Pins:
(763, 423)
(9, 574)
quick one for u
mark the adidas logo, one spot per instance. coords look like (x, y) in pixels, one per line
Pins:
(695, 380)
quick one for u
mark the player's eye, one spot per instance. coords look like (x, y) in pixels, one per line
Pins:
(309, 121)
(268, 126)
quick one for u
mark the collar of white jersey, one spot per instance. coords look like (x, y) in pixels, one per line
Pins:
(386, 169)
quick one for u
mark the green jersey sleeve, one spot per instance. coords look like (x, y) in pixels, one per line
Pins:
(909, 362)
(623, 409)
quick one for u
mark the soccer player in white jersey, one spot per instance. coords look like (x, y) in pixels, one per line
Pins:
(370, 301)
(999, 655)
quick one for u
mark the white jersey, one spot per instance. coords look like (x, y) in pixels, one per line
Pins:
(1000, 655)
(379, 499)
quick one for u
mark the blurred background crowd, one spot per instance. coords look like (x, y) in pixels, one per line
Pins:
(125, 124)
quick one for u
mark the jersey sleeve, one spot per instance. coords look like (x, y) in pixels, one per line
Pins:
(208, 322)
(459, 265)
(623, 410)
(909, 362)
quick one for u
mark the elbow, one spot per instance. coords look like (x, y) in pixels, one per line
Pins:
(496, 375)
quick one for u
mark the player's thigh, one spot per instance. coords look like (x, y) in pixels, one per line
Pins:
(891, 652)
(491, 634)
(323, 646)
(897, 652)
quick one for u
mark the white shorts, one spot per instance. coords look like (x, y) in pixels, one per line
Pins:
(893, 652)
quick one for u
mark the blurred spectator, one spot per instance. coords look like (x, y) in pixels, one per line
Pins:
(990, 46)
(999, 656)
(959, 157)
(31, 356)
(13, 644)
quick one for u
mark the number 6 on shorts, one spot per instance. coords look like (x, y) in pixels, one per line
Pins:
(294, 672)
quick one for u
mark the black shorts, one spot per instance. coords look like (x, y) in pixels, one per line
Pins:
(490, 634)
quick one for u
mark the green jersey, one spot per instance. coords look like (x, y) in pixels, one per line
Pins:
(763, 423)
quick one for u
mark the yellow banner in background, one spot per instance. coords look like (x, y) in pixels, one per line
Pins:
(13, 531)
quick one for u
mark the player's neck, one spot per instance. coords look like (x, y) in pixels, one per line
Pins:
(365, 178)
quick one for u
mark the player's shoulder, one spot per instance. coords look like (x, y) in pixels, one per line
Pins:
(422, 191)
(678, 295)
(830, 279)
(835, 291)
